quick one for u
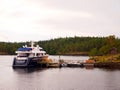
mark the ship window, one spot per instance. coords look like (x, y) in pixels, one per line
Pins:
(32, 55)
(38, 54)
(23, 54)
(41, 49)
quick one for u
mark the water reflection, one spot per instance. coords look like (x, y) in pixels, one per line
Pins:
(89, 67)
(28, 70)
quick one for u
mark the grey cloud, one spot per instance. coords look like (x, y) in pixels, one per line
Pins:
(66, 16)
(106, 19)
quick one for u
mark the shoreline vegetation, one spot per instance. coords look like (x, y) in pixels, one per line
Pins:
(75, 54)
(3, 53)
(107, 61)
(90, 46)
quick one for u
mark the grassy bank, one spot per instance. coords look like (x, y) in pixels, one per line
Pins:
(107, 61)
(107, 58)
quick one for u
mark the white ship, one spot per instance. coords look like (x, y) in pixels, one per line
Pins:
(29, 56)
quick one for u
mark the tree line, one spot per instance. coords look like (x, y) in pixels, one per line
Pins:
(70, 45)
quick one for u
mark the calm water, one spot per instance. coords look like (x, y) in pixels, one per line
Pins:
(57, 78)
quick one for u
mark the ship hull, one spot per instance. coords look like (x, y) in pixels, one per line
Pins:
(29, 62)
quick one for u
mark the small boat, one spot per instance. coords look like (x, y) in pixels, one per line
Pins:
(74, 65)
(29, 56)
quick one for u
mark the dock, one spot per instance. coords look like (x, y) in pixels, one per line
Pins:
(70, 63)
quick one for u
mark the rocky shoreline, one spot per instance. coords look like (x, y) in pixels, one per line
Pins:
(108, 65)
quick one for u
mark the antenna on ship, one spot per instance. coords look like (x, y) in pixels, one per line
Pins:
(32, 44)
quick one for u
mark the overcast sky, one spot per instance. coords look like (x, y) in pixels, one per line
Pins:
(26, 20)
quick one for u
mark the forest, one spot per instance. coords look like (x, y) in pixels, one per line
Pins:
(70, 46)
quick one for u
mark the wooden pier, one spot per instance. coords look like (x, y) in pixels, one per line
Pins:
(70, 63)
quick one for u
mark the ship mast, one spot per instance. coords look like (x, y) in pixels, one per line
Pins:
(32, 44)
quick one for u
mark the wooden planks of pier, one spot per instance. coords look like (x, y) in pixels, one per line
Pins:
(73, 63)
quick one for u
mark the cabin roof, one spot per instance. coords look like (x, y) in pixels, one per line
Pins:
(24, 49)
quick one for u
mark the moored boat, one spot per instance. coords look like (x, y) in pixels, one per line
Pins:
(29, 56)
